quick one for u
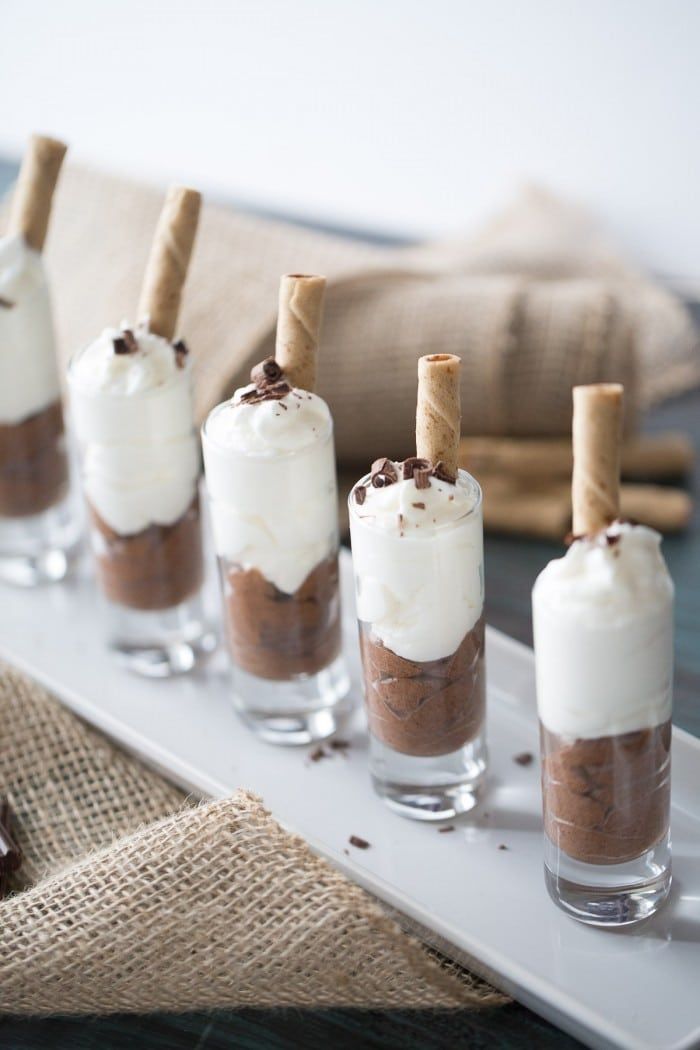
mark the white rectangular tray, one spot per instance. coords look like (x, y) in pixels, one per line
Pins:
(482, 905)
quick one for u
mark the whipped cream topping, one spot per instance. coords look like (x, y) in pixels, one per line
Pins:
(270, 474)
(418, 562)
(133, 419)
(28, 371)
(603, 625)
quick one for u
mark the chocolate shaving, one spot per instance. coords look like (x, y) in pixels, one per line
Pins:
(412, 464)
(418, 506)
(317, 754)
(267, 371)
(358, 843)
(383, 473)
(525, 758)
(125, 343)
(502, 846)
(6, 304)
(339, 745)
(181, 352)
(10, 853)
(612, 540)
(449, 827)
(421, 478)
(360, 495)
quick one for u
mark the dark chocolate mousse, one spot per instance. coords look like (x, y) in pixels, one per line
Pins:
(606, 800)
(278, 636)
(429, 708)
(157, 568)
(33, 463)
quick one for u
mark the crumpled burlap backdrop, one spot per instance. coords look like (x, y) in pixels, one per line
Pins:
(134, 898)
(536, 302)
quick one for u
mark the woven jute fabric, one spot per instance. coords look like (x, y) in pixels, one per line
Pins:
(136, 898)
(536, 302)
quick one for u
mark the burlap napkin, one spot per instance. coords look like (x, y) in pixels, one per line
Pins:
(134, 898)
(535, 303)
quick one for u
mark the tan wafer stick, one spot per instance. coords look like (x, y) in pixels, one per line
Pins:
(31, 202)
(298, 326)
(438, 413)
(597, 429)
(169, 260)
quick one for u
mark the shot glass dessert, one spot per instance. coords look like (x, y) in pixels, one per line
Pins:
(132, 408)
(417, 549)
(603, 625)
(271, 478)
(38, 525)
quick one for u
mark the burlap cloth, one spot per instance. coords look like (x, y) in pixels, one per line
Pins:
(535, 303)
(135, 898)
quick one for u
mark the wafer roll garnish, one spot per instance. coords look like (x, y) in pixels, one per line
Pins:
(31, 202)
(438, 414)
(169, 260)
(597, 430)
(298, 327)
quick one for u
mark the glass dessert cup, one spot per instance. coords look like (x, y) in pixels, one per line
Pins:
(606, 804)
(290, 682)
(150, 577)
(426, 718)
(39, 524)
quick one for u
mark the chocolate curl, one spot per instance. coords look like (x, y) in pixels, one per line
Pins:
(597, 429)
(298, 326)
(31, 201)
(169, 260)
(438, 415)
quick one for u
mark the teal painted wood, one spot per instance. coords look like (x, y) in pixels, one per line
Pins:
(511, 567)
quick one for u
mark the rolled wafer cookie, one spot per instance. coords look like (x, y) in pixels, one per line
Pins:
(298, 327)
(597, 430)
(169, 260)
(438, 413)
(31, 202)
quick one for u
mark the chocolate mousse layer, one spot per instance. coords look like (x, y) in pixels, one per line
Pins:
(33, 463)
(607, 800)
(278, 636)
(429, 708)
(156, 568)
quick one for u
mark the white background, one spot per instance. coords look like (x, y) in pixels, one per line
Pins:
(410, 116)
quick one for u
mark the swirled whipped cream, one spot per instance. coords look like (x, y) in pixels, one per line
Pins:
(132, 408)
(603, 625)
(28, 370)
(417, 548)
(270, 474)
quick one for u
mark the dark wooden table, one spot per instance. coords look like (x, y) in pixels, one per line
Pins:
(511, 566)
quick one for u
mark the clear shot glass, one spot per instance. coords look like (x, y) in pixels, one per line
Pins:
(150, 577)
(604, 700)
(426, 718)
(274, 518)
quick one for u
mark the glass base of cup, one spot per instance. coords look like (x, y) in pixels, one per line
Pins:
(41, 548)
(162, 643)
(610, 895)
(303, 710)
(435, 788)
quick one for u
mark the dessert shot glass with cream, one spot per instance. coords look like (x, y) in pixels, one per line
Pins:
(131, 402)
(270, 474)
(417, 551)
(39, 524)
(603, 627)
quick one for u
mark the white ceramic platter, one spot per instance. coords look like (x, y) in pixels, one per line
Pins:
(482, 905)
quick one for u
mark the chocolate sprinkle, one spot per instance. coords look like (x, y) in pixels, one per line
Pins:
(418, 506)
(360, 495)
(339, 745)
(6, 304)
(358, 843)
(525, 758)
(449, 827)
(502, 846)
(181, 352)
(317, 754)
